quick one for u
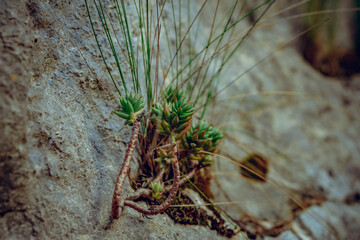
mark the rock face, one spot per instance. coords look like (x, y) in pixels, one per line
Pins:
(62, 148)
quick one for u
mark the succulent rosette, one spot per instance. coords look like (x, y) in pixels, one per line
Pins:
(174, 115)
(201, 138)
(172, 94)
(131, 107)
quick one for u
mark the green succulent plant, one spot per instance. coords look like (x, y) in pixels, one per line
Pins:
(131, 107)
(157, 189)
(164, 159)
(174, 115)
(201, 137)
(172, 94)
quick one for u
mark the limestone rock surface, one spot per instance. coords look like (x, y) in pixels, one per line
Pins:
(61, 147)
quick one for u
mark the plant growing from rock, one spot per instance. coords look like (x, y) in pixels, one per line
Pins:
(166, 146)
(201, 139)
(132, 110)
(175, 143)
(170, 143)
(171, 120)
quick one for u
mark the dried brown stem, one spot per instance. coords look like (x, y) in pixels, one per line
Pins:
(176, 181)
(183, 180)
(116, 206)
(159, 176)
(146, 192)
(141, 192)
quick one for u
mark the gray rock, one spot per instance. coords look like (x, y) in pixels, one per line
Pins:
(61, 146)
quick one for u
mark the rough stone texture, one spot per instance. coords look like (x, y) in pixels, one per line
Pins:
(61, 147)
(307, 128)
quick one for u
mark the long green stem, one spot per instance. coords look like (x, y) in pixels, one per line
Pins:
(122, 18)
(98, 44)
(215, 39)
(232, 52)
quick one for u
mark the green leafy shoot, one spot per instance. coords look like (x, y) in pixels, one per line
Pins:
(174, 115)
(130, 108)
(201, 137)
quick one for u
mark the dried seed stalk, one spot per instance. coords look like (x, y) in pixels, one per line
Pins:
(174, 188)
(146, 192)
(116, 206)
